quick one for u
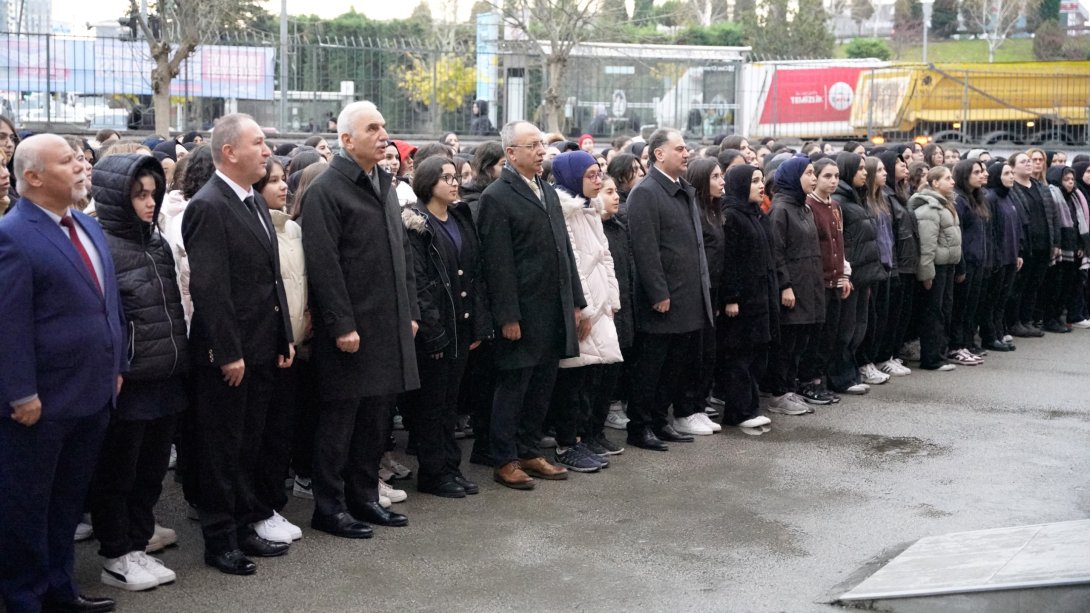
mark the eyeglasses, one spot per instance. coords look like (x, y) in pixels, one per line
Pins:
(594, 176)
(531, 146)
(449, 179)
(5, 138)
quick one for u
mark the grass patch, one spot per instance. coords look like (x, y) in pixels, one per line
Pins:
(949, 51)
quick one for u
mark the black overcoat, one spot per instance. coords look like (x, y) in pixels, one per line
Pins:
(668, 248)
(749, 279)
(529, 271)
(797, 253)
(360, 273)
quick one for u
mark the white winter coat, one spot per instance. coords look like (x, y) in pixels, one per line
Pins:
(293, 270)
(170, 225)
(595, 264)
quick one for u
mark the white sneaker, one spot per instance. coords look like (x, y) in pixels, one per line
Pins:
(691, 425)
(394, 495)
(858, 389)
(617, 420)
(161, 538)
(124, 573)
(946, 368)
(1007, 338)
(397, 469)
(384, 502)
(84, 529)
(272, 530)
(1084, 324)
(755, 422)
(788, 404)
(153, 566)
(173, 462)
(293, 530)
(871, 375)
(894, 368)
(302, 488)
(707, 421)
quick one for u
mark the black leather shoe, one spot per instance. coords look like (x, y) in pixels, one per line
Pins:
(231, 562)
(481, 458)
(374, 513)
(446, 489)
(467, 485)
(646, 439)
(342, 525)
(81, 604)
(997, 346)
(667, 433)
(254, 545)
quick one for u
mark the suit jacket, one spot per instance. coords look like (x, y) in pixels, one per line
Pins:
(240, 310)
(530, 272)
(63, 339)
(668, 248)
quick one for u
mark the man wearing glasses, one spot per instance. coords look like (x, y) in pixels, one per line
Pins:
(536, 298)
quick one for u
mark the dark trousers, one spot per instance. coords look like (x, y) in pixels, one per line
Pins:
(935, 317)
(816, 357)
(902, 292)
(186, 441)
(44, 473)
(1078, 299)
(434, 415)
(568, 408)
(698, 382)
(853, 312)
(1026, 287)
(519, 407)
(963, 319)
(476, 392)
(307, 407)
(991, 313)
(231, 426)
(349, 443)
(739, 370)
(1059, 290)
(784, 356)
(128, 482)
(658, 376)
(279, 438)
(877, 310)
(600, 394)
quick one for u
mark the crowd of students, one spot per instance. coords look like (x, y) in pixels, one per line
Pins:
(554, 290)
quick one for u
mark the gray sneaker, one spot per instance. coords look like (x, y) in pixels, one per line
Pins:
(788, 404)
(577, 458)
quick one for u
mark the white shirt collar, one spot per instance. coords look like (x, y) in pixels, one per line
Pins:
(241, 192)
(668, 177)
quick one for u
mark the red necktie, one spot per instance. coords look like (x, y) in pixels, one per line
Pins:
(67, 222)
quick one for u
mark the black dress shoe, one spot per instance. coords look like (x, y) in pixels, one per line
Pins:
(254, 545)
(446, 489)
(467, 485)
(231, 562)
(667, 433)
(646, 439)
(481, 458)
(81, 604)
(374, 513)
(341, 524)
(997, 346)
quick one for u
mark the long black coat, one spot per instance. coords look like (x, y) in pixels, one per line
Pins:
(797, 253)
(749, 279)
(620, 249)
(860, 238)
(530, 272)
(239, 307)
(360, 272)
(668, 248)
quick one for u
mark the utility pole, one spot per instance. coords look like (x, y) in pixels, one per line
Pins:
(283, 65)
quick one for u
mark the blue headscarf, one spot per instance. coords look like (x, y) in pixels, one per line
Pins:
(568, 169)
(789, 177)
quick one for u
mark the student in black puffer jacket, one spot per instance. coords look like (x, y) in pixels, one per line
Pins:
(128, 191)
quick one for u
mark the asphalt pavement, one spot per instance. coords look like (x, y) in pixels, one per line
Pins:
(728, 523)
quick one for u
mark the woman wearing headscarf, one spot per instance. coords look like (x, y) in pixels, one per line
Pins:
(906, 255)
(797, 255)
(747, 312)
(1007, 237)
(1082, 184)
(583, 380)
(1060, 280)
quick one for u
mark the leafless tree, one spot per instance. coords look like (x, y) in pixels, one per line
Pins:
(707, 12)
(997, 19)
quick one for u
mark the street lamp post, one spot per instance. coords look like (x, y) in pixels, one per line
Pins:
(926, 5)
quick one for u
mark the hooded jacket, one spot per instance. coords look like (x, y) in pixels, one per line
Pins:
(940, 232)
(1068, 208)
(1008, 233)
(481, 124)
(749, 279)
(145, 271)
(795, 246)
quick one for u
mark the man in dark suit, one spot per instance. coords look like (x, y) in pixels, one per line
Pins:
(63, 351)
(536, 301)
(363, 296)
(673, 301)
(239, 334)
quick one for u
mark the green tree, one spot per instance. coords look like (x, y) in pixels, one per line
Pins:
(863, 48)
(810, 34)
(944, 18)
(670, 13)
(1049, 9)
(1048, 40)
(613, 11)
(781, 32)
(643, 11)
(907, 25)
(862, 10)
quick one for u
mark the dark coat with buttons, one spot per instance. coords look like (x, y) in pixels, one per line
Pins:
(749, 279)
(530, 272)
(145, 271)
(451, 294)
(797, 253)
(361, 278)
(240, 310)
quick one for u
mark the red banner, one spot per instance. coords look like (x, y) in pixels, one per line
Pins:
(807, 95)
